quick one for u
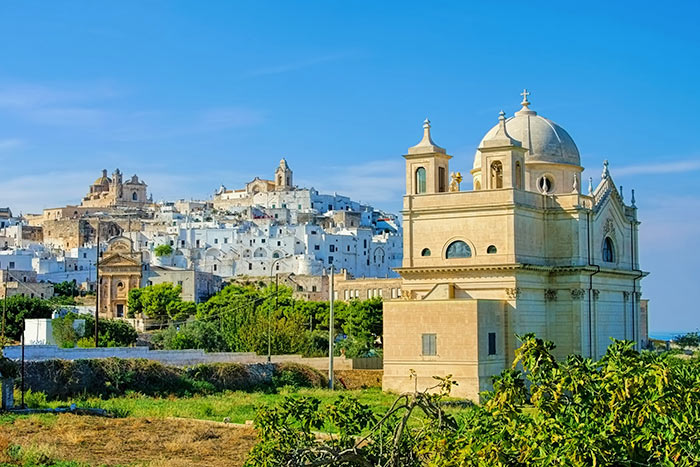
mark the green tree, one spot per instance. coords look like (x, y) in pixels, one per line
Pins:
(66, 289)
(362, 324)
(163, 250)
(153, 301)
(20, 308)
(193, 335)
(689, 340)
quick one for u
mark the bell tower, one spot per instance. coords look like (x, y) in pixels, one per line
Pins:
(427, 166)
(283, 176)
(502, 160)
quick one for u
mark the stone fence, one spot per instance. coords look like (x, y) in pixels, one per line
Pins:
(182, 357)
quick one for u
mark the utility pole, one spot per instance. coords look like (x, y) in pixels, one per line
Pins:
(4, 305)
(97, 285)
(331, 333)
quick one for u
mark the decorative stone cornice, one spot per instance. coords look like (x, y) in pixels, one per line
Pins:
(577, 294)
(550, 295)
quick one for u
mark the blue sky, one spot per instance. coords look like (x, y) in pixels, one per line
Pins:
(190, 95)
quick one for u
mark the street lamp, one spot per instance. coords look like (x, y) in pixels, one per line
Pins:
(269, 318)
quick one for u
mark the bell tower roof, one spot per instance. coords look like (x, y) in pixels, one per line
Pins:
(426, 145)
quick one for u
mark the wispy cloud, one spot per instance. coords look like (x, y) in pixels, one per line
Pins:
(71, 105)
(297, 65)
(667, 167)
(379, 182)
(10, 143)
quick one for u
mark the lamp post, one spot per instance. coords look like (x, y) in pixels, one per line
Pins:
(269, 318)
(97, 285)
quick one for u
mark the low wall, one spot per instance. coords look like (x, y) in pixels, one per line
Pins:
(178, 357)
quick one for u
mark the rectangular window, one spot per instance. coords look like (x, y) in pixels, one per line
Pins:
(216, 240)
(250, 266)
(12, 264)
(317, 247)
(330, 260)
(442, 180)
(179, 283)
(429, 344)
(492, 343)
(331, 248)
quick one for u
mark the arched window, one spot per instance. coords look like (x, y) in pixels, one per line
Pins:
(425, 252)
(259, 253)
(491, 250)
(421, 186)
(276, 254)
(458, 249)
(608, 251)
(518, 176)
(496, 174)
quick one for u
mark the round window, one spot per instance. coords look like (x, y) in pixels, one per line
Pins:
(545, 184)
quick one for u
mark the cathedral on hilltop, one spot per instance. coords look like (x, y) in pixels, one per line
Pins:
(526, 250)
(112, 192)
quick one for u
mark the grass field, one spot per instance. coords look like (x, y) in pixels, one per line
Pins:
(237, 406)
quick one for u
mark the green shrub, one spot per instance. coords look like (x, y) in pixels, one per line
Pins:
(8, 368)
(298, 376)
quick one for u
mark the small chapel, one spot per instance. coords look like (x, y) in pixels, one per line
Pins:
(526, 250)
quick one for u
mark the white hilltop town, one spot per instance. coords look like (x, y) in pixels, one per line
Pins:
(267, 228)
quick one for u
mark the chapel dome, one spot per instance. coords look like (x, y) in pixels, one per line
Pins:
(544, 140)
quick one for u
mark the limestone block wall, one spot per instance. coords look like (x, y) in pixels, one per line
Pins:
(461, 328)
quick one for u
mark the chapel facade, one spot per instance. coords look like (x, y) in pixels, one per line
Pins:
(526, 250)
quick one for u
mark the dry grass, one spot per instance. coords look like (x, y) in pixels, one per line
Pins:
(132, 441)
(360, 379)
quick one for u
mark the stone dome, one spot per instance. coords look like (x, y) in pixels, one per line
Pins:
(103, 180)
(544, 140)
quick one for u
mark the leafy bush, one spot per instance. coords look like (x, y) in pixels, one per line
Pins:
(113, 332)
(158, 301)
(62, 379)
(193, 335)
(8, 368)
(628, 408)
(20, 308)
(689, 340)
(163, 250)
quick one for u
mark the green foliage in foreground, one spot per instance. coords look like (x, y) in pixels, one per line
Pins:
(113, 332)
(20, 308)
(628, 408)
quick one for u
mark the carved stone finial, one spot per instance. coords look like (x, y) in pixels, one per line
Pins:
(575, 185)
(622, 196)
(590, 186)
(633, 200)
(606, 172)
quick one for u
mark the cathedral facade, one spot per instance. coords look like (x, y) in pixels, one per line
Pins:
(526, 250)
(108, 192)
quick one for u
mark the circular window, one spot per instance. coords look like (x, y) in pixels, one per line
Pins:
(120, 285)
(545, 184)
(425, 252)
(492, 250)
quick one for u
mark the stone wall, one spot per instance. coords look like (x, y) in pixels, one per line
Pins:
(180, 357)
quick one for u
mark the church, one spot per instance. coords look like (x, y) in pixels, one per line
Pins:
(526, 250)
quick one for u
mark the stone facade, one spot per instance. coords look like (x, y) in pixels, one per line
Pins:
(347, 287)
(113, 192)
(19, 282)
(120, 271)
(524, 251)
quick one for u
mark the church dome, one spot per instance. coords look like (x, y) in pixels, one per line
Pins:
(103, 180)
(544, 140)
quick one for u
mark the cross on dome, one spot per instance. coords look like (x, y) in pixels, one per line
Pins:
(525, 102)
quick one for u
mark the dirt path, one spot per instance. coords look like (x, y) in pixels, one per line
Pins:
(132, 441)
